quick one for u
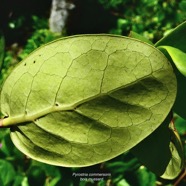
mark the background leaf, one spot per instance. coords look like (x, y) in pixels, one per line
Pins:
(176, 162)
(162, 151)
(153, 151)
(176, 38)
(7, 173)
(145, 178)
(178, 57)
(179, 106)
(36, 176)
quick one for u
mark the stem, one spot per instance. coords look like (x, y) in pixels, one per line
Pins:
(180, 178)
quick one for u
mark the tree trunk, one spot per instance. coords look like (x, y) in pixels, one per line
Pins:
(59, 14)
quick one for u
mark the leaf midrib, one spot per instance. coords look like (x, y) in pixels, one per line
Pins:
(68, 107)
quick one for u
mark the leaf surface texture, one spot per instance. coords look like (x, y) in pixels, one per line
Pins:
(85, 99)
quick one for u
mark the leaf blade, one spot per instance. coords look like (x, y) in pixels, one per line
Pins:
(162, 151)
(178, 57)
(176, 163)
(87, 92)
(153, 151)
(176, 38)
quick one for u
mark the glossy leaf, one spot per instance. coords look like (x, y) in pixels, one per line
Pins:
(178, 57)
(176, 38)
(85, 99)
(179, 106)
(180, 103)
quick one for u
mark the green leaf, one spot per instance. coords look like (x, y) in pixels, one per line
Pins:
(25, 182)
(53, 174)
(7, 172)
(176, 162)
(120, 167)
(182, 5)
(18, 180)
(178, 57)
(36, 176)
(175, 38)
(85, 99)
(122, 182)
(145, 177)
(154, 150)
(162, 151)
(1, 182)
(140, 37)
(180, 103)
(179, 106)
(50, 171)
(180, 125)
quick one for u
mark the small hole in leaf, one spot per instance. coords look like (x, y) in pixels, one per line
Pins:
(25, 64)
(56, 104)
(6, 116)
(34, 61)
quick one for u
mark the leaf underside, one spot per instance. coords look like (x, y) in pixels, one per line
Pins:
(177, 160)
(85, 99)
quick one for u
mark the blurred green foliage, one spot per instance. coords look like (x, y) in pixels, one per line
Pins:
(152, 19)
(15, 53)
(39, 37)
